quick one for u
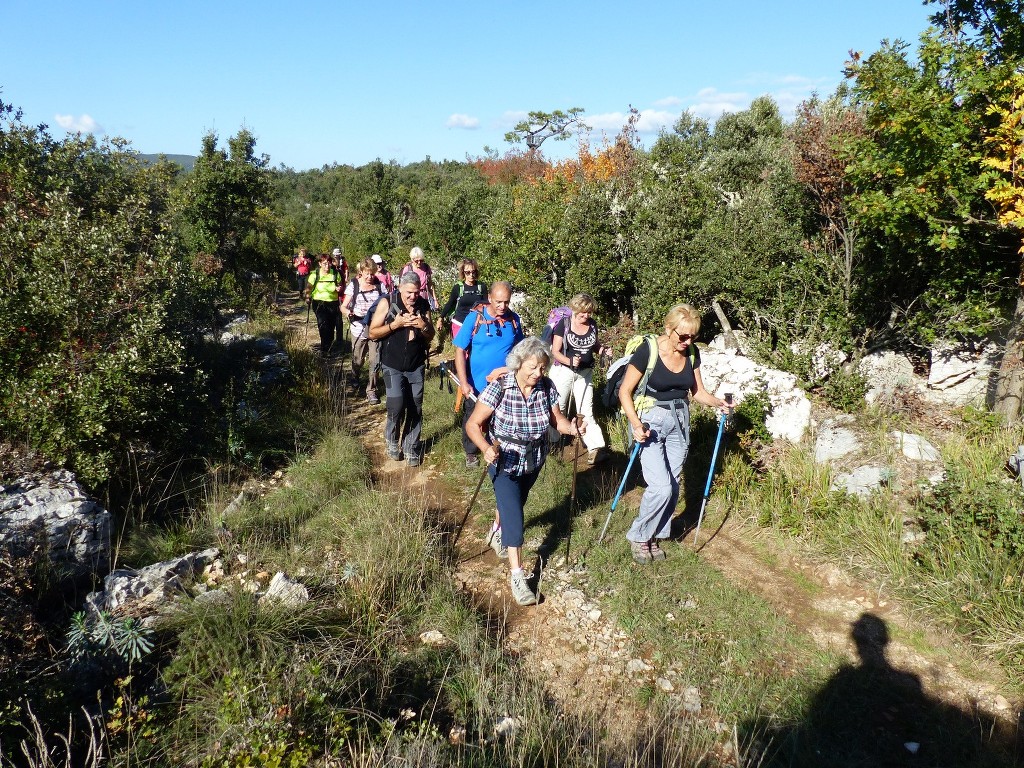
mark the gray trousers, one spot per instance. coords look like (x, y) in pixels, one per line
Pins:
(661, 458)
(405, 409)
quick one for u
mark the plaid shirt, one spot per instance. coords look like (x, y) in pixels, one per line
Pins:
(525, 419)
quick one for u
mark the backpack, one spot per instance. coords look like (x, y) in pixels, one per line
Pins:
(617, 370)
(555, 316)
(479, 309)
(316, 279)
(462, 292)
(356, 293)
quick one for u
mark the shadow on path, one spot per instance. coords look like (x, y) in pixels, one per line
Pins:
(872, 714)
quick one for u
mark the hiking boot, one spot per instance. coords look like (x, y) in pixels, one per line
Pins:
(393, 452)
(657, 553)
(596, 456)
(472, 460)
(521, 591)
(495, 541)
(373, 399)
(641, 552)
(415, 460)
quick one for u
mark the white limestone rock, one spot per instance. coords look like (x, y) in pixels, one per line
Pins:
(149, 589)
(55, 510)
(961, 371)
(725, 372)
(285, 591)
(915, 447)
(886, 371)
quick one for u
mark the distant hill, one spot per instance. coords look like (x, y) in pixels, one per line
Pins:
(185, 161)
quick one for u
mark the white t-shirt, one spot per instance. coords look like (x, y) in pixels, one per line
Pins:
(359, 306)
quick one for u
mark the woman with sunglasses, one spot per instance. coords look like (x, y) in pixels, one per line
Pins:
(465, 295)
(660, 421)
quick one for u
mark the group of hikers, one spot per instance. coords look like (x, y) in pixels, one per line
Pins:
(515, 388)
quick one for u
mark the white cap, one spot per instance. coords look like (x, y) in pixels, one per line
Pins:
(377, 259)
(336, 252)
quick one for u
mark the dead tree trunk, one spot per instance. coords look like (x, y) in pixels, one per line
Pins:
(730, 337)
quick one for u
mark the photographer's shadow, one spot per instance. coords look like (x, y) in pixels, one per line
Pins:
(872, 714)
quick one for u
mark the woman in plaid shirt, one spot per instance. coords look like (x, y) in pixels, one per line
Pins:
(520, 406)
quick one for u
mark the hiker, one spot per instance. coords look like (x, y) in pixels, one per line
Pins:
(575, 349)
(360, 294)
(401, 323)
(302, 264)
(519, 406)
(665, 407)
(417, 263)
(385, 278)
(465, 294)
(322, 288)
(340, 264)
(489, 332)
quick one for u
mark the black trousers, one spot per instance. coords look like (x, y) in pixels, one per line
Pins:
(327, 314)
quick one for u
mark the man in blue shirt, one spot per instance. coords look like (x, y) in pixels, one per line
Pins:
(486, 337)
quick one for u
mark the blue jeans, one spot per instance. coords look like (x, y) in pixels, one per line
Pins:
(405, 409)
(662, 458)
(510, 492)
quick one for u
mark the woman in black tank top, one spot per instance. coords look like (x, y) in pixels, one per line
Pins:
(664, 405)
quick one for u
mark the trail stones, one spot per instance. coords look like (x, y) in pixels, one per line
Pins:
(664, 684)
(288, 592)
(54, 511)
(148, 589)
(834, 441)
(863, 481)
(915, 447)
(433, 638)
(691, 700)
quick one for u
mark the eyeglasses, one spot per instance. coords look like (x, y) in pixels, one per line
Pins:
(470, 272)
(683, 336)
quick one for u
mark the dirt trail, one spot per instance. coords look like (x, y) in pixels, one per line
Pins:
(590, 662)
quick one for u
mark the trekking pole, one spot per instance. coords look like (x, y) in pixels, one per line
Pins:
(575, 465)
(305, 334)
(711, 471)
(622, 485)
(469, 506)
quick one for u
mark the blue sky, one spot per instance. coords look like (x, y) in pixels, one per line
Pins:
(341, 82)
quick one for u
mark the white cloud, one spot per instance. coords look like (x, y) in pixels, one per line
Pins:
(710, 103)
(669, 101)
(650, 121)
(459, 120)
(80, 124)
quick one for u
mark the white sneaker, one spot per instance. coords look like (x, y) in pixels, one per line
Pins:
(495, 541)
(521, 591)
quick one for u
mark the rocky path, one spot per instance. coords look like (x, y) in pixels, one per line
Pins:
(590, 662)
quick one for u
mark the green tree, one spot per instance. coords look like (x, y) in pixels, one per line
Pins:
(538, 127)
(223, 209)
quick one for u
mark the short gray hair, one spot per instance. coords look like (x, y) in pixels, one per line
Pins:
(410, 277)
(415, 251)
(530, 347)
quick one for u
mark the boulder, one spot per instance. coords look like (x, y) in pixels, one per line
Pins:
(725, 372)
(960, 371)
(886, 371)
(54, 510)
(147, 590)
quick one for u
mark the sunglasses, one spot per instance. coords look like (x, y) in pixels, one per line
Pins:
(683, 336)
(470, 272)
